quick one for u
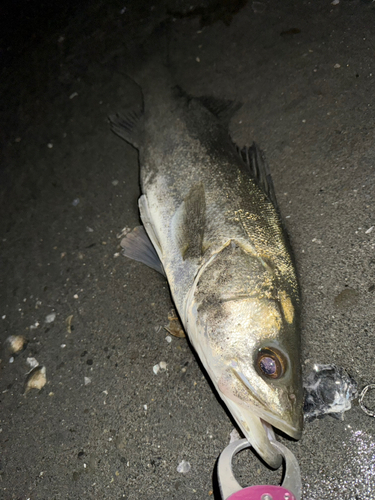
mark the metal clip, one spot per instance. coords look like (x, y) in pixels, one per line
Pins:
(291, 488)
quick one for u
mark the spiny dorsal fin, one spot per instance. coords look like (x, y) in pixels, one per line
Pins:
(192, 223)
(128, 126)
(223, 109)
(259, 170)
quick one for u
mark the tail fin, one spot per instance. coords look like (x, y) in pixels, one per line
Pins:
(145, 55)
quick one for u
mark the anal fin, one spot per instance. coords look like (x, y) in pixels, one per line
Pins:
(137, 246)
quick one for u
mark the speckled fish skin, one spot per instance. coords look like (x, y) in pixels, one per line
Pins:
(226, 259)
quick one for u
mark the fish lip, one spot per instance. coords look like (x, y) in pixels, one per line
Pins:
(281, 425)
(266, 416)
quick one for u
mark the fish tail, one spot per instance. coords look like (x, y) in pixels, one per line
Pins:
(144, 57)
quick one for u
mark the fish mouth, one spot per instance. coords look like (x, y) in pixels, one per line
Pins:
(258, 430)
(257, 422)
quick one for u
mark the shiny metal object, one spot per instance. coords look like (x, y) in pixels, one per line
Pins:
(230, 489)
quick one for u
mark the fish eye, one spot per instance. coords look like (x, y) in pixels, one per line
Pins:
(270, 363)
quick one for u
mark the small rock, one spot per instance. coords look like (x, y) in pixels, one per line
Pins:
(183, 467)
(37, 379)
(32, 363)
(16, 343)
(163, 365)
(50, 318)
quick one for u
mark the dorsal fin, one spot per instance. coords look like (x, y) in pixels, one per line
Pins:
(223, 109)
(259, 170)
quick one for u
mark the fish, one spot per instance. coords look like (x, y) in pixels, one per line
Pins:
(211, 225)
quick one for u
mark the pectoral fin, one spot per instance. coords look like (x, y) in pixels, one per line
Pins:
(137, 246)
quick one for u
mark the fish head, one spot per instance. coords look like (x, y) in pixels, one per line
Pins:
(246, 332)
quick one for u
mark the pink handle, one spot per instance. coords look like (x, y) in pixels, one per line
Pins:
(261, 492)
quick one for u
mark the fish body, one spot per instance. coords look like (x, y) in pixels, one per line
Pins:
(209, 210)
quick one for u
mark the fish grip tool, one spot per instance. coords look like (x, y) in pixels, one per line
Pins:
(230, 489)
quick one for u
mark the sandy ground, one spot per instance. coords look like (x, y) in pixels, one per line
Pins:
(105, 426)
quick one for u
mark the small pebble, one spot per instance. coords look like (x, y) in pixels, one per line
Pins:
(50, 318)
(75, 202)
(168, 338)
(183, 467)
(32, 363)
(37, 379)
(369, 230)
(163, 365)
(336, 66)
(16, 343)
(50, 145)
(87, 380)
(115, 182)
(72, 96)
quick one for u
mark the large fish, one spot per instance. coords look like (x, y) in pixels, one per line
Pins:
(210, 211)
